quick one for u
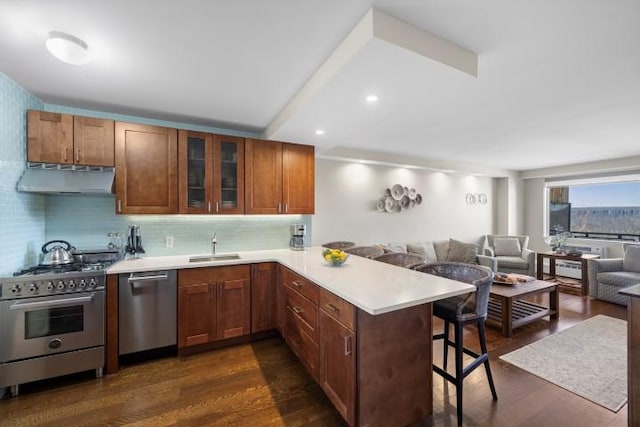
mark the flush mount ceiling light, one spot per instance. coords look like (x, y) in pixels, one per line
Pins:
(372, 98)
(68, 48)
(319, 132)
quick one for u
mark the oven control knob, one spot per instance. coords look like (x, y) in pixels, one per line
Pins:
(32, 288)
(50, 286)
(72, 284)
(92, 283)
(60, 285)
(15, 289)
(82, 284)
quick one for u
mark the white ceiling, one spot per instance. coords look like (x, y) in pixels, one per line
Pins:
(558, 81)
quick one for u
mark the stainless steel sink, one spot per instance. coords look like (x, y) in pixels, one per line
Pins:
(209, 258)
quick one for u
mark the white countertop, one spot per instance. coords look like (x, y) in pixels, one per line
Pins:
(372, 286)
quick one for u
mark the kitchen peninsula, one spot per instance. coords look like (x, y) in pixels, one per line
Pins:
(373, 316)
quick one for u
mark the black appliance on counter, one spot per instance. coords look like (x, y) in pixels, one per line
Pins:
(52, 319)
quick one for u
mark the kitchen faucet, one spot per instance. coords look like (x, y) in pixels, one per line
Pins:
(214, 243)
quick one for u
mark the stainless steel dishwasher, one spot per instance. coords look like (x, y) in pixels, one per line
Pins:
(147, 310)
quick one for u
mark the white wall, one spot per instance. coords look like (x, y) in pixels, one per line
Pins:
(346, 194)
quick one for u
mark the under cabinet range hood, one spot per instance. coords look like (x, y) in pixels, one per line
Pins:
(66, 179)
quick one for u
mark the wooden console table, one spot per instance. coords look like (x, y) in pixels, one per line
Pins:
(582, 259)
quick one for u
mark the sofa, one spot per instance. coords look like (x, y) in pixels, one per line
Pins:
(445, 250)
(609, 275)
(511, 253)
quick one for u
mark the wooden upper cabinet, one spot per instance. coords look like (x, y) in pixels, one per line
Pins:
(146, 169)
(279, 178)
(49, 137)
(211, 173)
(93, 141)
(298, 178)
(228, 174)
(67, 139)
(263, 177)
(195, 157)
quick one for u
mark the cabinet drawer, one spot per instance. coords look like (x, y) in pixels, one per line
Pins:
(305, 347)
(302, 285)
(304, 310)
(339, 309)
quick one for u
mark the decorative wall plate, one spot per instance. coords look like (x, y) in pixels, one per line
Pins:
(390, 204)
(397, 191)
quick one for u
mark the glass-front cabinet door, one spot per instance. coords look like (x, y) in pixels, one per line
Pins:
(228, 155)
(211, 173)
(195, 150)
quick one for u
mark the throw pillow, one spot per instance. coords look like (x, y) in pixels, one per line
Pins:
(424, 249)
(631, 261)
(507, 246)
(442, 249)
(462, 252)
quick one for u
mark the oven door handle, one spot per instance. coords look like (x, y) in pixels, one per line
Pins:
(151, 278)
(47, 304)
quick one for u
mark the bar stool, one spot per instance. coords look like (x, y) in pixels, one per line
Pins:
(342, 245)
(401, 259)
(365, 251)
(462, 310)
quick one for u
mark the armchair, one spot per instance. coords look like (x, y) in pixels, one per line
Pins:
(511, 254)
(607, 276)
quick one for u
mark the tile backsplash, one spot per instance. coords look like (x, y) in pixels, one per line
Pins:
(21, 214)
(85, 221)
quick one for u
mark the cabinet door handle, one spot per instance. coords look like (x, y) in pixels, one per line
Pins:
(217, 207)
(279, 207)
(120, 206)
(296, 284)
(347, 346)
(297, 310)
(78, 155)
(332, 307)
(286, 208)
(209, 206)
(66, 154)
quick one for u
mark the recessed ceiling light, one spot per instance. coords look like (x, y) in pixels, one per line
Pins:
(372, 98)
(68, 48)
(319, 132)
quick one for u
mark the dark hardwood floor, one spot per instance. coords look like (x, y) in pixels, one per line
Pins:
(262, 384)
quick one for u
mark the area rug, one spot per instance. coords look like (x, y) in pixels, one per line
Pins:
(588, 359)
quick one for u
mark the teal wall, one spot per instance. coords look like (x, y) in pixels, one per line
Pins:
(22, 216)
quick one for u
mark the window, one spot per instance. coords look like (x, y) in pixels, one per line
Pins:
(604, 208)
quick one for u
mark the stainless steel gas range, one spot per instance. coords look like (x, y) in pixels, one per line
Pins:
(52, 320)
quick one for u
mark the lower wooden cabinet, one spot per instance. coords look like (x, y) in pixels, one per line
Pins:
(320, 328)
(338, 364)
(263, 296)
(213, 304)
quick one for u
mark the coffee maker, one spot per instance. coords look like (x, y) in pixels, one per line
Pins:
(296, 242)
